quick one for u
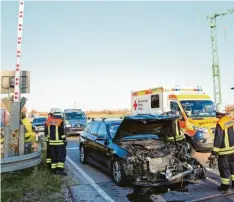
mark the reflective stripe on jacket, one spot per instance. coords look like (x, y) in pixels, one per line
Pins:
(224, 136)
(54, 131)
(176, 129)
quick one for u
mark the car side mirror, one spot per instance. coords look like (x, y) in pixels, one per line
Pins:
(105, 139)
(106, 142)
(101, 138)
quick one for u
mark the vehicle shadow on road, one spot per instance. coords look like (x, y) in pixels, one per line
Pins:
(145, 194)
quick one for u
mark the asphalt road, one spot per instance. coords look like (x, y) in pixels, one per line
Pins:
(95, 185)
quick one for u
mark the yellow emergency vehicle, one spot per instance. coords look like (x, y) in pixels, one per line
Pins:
(193, 104)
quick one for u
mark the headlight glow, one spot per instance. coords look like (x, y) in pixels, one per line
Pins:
(68, 125)
(204, 130)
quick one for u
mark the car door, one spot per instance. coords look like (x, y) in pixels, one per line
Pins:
(92, 136)
(101, 146)
(84, 138)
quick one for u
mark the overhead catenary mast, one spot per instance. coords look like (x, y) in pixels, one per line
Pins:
(215, 64)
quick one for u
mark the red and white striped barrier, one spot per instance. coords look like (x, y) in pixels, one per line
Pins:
(18, 53)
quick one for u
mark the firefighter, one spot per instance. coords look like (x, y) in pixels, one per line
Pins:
(56, 141)
(224, 149)
(179, 135)
(48, 156)
(30, 136)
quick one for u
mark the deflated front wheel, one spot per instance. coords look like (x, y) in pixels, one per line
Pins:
(118, 172)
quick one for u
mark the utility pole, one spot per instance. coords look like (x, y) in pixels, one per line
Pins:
(215, 63)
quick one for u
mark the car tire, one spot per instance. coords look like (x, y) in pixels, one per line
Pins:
(191, 149)
(118, 173)
(83, 156)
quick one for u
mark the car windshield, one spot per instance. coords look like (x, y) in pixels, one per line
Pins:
(113, 127)
(39, 120)
(199, 108)
(74, 115)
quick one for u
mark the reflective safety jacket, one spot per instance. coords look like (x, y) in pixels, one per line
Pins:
(224, 137)
(30, 136)
(54, 131)
(176, 129)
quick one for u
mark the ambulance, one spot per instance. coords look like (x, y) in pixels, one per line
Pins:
(194, 106)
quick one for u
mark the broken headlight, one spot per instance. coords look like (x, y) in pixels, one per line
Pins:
(168, 174)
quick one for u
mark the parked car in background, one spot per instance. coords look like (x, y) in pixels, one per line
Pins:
(38, 124)
(136, 149)
(75, 121)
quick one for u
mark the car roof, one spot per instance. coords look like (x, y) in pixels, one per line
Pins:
(108, 120)
(72, 110)
(151, 116)
(40, 117)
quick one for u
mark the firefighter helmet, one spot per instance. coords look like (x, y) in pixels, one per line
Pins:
(55, 111)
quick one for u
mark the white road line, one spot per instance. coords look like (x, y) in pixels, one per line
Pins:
(73, 148)
(90, 180)
(212, 180)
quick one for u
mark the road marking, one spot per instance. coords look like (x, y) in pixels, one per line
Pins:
(90, 180)
(72, 148)
(213, 180)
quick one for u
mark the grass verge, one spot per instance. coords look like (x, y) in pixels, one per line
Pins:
(31, 185)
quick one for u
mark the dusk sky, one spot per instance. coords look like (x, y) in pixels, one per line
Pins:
(96, 53)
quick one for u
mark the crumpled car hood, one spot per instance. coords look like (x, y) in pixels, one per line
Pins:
(132, 125)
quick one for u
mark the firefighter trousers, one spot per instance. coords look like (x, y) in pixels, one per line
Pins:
(48, 156)
(226, 169)
(58, 156)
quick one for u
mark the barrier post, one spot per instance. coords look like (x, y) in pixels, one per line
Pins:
(21, 140)
(6, 141)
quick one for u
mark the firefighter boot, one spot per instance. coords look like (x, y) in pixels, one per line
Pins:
(223, 187)
(49, 165)
(233, 184)
(61, 172)
(53, 171)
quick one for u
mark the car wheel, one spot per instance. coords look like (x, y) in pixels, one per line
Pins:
(118, 172)
(190, 148)
(83, 157)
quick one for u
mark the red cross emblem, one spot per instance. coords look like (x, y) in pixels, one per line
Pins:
(135, 105)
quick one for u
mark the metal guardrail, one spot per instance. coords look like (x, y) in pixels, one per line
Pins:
(20, 162)
(12, 161)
